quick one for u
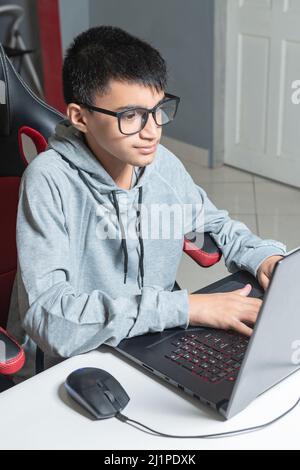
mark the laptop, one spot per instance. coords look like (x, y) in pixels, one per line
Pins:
(224, 369)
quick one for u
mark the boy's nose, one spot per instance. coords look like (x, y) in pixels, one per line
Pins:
(151, 129)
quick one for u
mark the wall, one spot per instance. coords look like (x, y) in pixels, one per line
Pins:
(183, 32)
(75, 18)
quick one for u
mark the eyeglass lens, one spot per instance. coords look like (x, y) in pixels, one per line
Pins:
(133, 120)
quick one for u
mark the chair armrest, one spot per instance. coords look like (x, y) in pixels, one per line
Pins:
(12, 356)
(206, 253)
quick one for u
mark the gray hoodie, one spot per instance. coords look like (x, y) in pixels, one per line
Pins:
(89, 273)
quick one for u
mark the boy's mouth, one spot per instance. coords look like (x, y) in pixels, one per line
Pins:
(148, 149)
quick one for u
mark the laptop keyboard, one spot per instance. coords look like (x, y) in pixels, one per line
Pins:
(213, 357)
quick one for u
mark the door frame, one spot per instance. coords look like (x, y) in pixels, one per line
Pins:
(217, 153)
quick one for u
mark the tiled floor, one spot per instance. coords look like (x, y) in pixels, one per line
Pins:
(271, 210)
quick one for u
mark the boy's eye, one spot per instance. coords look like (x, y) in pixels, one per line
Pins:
(133, 114)
(130, 115)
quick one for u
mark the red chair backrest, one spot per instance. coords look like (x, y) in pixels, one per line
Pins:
(9, 191)
(31, 143)
(29, 147)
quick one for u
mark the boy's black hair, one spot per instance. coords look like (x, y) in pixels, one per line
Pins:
(107, 52)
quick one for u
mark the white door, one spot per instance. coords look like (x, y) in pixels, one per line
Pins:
(262, 119)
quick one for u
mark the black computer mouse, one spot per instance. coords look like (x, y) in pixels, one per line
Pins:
(97, 391)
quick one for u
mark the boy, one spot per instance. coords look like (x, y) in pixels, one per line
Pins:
(82, 279)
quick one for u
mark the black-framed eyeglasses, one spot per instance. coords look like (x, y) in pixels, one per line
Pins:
(133, 120)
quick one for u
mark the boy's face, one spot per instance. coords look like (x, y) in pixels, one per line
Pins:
(102, 133)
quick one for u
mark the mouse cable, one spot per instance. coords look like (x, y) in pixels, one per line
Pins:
(125, 419)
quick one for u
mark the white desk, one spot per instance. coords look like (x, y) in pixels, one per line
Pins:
(38, 413)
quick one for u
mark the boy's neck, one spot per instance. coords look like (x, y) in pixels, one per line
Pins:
(124, 178)
(120, 172)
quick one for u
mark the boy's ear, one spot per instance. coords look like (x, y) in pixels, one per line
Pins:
(77, 117)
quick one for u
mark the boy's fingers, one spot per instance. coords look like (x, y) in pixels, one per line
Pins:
(251, 304)
(264, 281)
(244, 291)
(249, 317)
(242, 328)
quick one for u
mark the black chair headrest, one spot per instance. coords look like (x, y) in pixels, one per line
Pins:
(19, 107)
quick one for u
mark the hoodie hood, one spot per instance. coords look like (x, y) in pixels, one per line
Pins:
(70, 144)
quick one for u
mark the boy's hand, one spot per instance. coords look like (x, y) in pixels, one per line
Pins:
(226, 310)
(265, 270)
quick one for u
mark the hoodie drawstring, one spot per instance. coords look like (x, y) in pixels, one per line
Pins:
(141, 260)
(123, 242)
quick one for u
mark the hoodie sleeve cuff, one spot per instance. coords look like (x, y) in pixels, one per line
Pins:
(180, 316)
(260, 254)
(159, 310)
